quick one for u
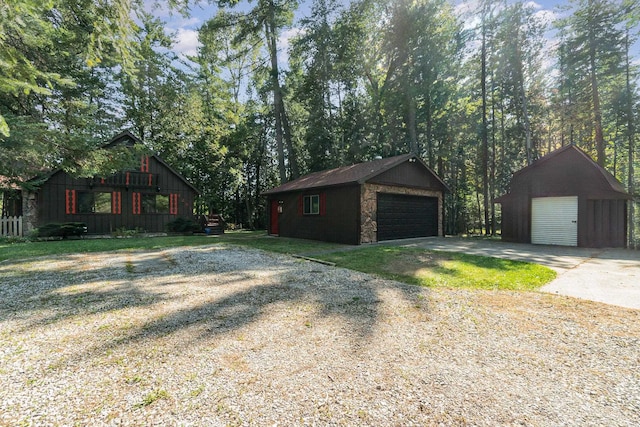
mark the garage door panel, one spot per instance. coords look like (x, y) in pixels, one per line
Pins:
(402, 216)
(554, 221)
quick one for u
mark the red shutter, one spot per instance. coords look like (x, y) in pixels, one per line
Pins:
(116, 202)
(150, 180)
(127, 178)
(323, 204)
(136, 203)
(173, 204)
(70, 201)
(144, 164)
(300, 205)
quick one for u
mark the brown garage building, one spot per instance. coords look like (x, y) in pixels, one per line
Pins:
(393, 198)
(565, 198)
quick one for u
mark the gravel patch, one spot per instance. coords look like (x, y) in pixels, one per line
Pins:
(211, 336)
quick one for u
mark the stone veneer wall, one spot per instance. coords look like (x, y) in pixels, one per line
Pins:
(29, 211)
(369, 207)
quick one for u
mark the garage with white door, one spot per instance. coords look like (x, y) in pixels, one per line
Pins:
(565, 198)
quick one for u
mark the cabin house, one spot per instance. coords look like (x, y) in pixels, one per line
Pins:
(565, 198)
(394, 198)
(146, 198)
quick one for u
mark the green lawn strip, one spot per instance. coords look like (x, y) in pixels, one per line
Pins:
(285, 245)
(253, 239)
(59, 247)
(443, 269)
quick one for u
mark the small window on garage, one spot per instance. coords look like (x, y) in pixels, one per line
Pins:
(311, 205)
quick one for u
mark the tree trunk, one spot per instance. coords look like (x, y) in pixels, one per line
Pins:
(630, 137)
(595, 96)
(485, 133)
(269, 29)
(430, 150)
(411, 123)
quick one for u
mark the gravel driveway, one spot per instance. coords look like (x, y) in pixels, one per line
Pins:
(214, 337)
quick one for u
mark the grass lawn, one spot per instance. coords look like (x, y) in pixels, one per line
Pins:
(409, 265)
(446, 269)
(254, 239)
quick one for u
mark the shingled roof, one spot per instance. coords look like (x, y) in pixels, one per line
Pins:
(611, 180)
(358, 173)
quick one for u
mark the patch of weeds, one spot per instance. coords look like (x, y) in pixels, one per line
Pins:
(152, 397)
(363, 415)
(169, 259)
(197, 391)
(136, 379)
(124, 232)
(234, 418)
(129, 267)
(308, 324)
(235, 362)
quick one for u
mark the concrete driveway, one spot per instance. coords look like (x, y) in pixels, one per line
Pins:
(611, 276)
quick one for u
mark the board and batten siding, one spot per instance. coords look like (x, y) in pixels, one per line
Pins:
(554, 221)
(57, 200)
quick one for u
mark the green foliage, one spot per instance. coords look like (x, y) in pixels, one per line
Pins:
(10, 240)
(183, 225)
(63, 230)
(124, 232)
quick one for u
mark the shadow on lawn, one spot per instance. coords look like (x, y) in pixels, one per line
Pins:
(191, 288)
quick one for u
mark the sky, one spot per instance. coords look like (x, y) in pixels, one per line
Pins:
(185, 29)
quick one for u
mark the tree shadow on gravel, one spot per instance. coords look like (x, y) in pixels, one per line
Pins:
(51, 289)
(225, 298)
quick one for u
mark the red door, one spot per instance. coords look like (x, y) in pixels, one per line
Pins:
(275, 229)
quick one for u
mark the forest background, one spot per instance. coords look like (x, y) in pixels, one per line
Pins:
(477, 89)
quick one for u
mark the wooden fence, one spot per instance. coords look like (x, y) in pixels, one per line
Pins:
(11, 226)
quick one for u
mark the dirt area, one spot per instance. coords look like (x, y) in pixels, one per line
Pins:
(216, 337)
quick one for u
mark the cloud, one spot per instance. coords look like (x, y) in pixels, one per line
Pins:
(284, 41)
(186, 42)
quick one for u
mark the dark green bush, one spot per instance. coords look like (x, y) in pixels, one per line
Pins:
(183, 225)
(63, 230)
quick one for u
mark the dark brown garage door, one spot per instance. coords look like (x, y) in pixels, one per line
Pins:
(402, 217)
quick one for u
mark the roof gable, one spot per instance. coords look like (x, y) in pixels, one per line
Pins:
(556, 164)
(358, 173)
(127, 139)
(123, 138)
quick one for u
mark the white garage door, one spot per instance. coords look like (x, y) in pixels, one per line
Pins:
(554, 221)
